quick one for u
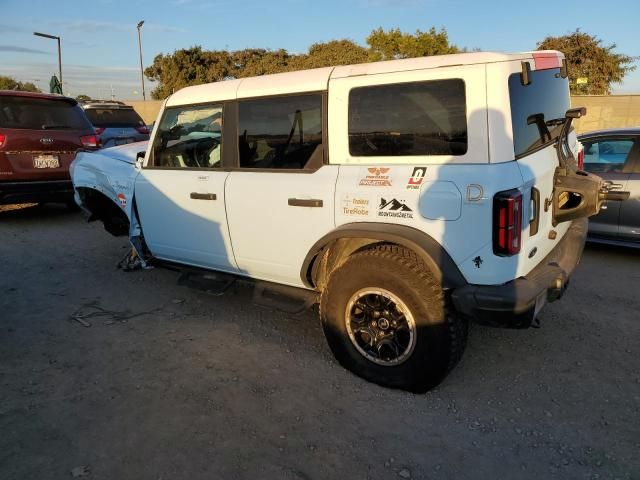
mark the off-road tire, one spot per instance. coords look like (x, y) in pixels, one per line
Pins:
(440, 336)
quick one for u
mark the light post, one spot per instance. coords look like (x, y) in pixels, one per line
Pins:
(46, 35)
(140, 23)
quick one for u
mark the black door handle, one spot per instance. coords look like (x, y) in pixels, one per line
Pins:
(203, 196)
(305, 202)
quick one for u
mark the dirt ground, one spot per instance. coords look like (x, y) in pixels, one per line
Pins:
(166, 382)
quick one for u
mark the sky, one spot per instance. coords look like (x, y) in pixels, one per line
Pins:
(100, 43)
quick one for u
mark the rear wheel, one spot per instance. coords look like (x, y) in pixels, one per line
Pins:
(385, 319)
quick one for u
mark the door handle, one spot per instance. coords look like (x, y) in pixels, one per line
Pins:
(305, 202)
(203, 196)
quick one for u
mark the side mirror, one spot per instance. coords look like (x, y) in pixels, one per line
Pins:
(140, 159)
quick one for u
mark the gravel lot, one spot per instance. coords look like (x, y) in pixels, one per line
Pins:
(167, 382)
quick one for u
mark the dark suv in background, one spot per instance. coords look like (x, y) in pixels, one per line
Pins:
(40, 135)
(115, 123)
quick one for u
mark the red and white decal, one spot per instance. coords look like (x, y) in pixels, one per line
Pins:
(416, 178)
(376, 177)
(122, 199)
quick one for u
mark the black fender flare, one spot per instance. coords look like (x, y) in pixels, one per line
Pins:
(431, 252)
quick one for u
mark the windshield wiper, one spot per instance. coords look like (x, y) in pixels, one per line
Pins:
(56, 127)
(538, 120)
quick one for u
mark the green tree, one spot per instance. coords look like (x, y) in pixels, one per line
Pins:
(588, 58)
(394, 44)
(334, 52)
(83, 98)
(8, 83)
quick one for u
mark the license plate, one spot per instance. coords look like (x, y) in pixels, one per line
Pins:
(46, 161)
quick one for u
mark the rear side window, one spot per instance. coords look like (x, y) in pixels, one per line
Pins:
(113, 117)
(537, 109)
(41, 114)
(421, 118)
(281, 132)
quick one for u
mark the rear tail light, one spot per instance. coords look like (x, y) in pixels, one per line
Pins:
(3, 138)
(99, 130)
(89, 141)
(507, 223)
(143, 130)
(581, 158)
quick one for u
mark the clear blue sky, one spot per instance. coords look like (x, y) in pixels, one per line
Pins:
(100, 51)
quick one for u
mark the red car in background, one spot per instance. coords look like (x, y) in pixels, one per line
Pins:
(40, 135)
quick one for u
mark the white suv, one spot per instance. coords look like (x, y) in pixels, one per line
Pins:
(410, 195)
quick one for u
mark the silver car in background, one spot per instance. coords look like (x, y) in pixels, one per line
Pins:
(115, 123)
(614, 155)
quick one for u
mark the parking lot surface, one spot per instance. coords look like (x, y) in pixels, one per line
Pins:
(113, 375)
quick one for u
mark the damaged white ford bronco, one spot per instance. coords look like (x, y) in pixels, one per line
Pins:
(409, 197)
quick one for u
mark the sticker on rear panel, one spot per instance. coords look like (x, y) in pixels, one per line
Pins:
(394, 208)
(122, 199)
(416, 178)
(376, 177)
(356, 206)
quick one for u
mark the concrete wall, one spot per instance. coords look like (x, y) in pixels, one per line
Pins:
(147, 110)
(603, 111)
(607, 111)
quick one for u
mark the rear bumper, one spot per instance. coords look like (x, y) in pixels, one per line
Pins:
(33, 192)
(515, 304)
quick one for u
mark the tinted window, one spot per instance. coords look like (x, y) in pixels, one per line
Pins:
(282, 132)
(425, 118)
(607, 155)
(41, 114)
(106, 117)
(546, 95)
(189, 137)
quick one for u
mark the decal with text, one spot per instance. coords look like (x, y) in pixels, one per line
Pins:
(394, 208)
(376, 177)
(416, 178)
(355, 206)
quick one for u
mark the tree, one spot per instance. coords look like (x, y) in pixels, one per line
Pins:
(334, 52)
(588, 58)
(8, 83)
(395, 44)
(83, 98)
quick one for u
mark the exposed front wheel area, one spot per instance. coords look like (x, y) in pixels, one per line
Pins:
(385, 318)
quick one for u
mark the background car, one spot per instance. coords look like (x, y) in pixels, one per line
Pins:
(115, 123)
(614, 155)
(40, 135)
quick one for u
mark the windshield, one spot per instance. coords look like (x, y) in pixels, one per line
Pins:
(537, 109)
(41, 114)
(113, 117)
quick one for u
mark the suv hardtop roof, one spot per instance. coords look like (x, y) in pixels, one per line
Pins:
(317, 79)
(44, 96)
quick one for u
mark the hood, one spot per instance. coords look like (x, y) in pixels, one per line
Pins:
(125, 153)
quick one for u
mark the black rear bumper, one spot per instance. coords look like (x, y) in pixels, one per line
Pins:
(34, 192)
(515, 304)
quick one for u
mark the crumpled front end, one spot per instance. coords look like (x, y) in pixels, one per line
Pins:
(103, 187)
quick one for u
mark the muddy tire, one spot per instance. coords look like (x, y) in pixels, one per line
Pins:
(385, 318)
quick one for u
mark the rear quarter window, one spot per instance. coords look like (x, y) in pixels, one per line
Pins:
(418, 118)
(41, 114)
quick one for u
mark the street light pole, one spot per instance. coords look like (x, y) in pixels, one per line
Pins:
(53, 37)
(140, 23)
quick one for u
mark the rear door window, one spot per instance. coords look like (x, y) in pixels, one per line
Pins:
(113, 117)
(281, 132)
(541, 105)
(41, 114)
(419, 118)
